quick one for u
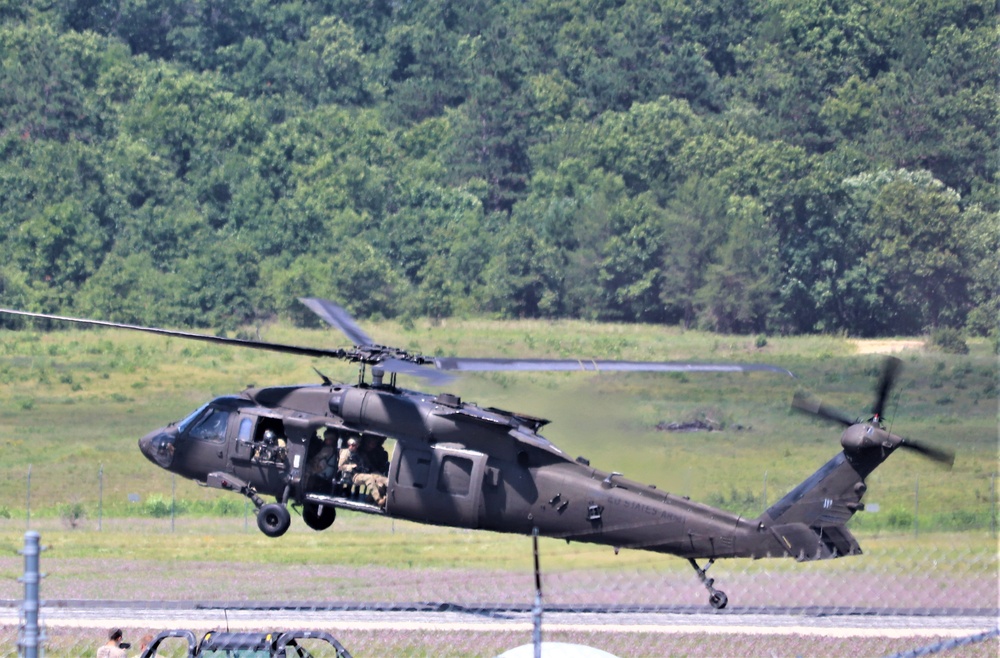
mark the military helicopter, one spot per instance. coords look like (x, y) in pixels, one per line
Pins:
(455, 463)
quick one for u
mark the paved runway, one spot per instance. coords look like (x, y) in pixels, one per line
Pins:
(432, 617)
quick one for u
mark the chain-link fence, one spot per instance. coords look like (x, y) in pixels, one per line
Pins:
(933, 592)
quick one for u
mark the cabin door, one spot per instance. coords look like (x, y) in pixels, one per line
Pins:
(436, 485)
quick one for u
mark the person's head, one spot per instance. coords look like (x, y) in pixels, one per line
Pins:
(352, 444)
(329, 436)
(268, 436)
(144, 642)
(115, 635)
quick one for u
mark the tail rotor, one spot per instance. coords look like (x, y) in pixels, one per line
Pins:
(890, 371)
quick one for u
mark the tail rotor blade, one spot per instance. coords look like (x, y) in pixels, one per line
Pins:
(942, 456)
(890, 369)
(810, 405)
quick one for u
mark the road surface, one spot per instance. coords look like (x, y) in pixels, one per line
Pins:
(425, 617)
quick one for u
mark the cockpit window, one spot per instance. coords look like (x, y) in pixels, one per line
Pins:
(184, 424)
(212, 427)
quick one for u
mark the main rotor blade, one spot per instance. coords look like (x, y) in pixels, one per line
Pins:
(466, 364)
(253, 344)
(338, 316)
(940, 455)
(410, 368)
(890, 369)
(807, 404)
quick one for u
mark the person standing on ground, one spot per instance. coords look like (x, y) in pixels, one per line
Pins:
(111, 648)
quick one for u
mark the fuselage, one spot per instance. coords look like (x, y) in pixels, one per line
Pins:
(452, 463)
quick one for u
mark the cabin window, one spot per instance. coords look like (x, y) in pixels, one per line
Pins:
(414, 468)
(212, 427)
(456, 476)
(246, 430)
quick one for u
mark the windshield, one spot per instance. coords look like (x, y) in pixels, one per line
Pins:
(184, 424)
(211, 426)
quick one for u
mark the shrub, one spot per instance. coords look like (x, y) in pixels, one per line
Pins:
(949, 340)
(229, 506)
(961, 520)
(72, 514)
(898, 518)
(157, 506)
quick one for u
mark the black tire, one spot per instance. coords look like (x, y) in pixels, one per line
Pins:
(273, 519)
(319, 517)
(718, 599)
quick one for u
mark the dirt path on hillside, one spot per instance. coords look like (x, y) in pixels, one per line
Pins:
(886, 346)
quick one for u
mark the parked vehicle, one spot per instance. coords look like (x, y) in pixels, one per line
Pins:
(255, 644)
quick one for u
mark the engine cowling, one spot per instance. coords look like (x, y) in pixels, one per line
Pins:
(384, 413)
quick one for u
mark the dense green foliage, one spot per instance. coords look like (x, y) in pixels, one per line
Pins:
(753, 167)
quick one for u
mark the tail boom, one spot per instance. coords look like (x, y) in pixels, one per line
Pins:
(809, 523)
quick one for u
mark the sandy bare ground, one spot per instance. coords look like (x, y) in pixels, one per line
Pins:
(886, 345)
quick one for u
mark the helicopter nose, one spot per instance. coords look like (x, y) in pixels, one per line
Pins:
(158, 446)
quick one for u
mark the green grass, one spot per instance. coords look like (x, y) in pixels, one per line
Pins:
(74, 402)
(364, 541)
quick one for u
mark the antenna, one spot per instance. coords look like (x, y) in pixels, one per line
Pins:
(226, 614)
(895, 409)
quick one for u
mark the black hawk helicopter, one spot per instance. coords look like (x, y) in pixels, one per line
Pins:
(458, 464)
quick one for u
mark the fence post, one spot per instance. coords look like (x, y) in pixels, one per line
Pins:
(173, 499)
(28, 501)
(100, 497)
(916, 505)
(30, 636)
(993, 505)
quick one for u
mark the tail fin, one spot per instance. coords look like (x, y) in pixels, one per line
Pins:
(809, 522)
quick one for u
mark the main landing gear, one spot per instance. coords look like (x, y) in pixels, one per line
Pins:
(319, 516)
(717, 598)
(273, 519)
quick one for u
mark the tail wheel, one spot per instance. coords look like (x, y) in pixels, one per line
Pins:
(273, 519)
(319, 517)
(718, 599)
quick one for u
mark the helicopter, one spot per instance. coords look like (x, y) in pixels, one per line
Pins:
(458, 464)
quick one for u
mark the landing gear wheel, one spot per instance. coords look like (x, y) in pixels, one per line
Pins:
(273, 519)
(716, 598)
(319, 517)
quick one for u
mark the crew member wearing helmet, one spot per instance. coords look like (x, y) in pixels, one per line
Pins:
(271, 448)
(355, 462)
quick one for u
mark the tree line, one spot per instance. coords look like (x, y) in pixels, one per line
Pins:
(744, 166)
